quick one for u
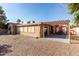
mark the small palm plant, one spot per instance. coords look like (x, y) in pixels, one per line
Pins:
(74, 10)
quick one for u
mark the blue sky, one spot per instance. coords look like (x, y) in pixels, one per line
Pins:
(38, 12)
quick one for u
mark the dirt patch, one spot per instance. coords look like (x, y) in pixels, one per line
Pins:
(28, 46)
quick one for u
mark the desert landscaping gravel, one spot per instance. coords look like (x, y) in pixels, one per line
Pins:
(18, 45)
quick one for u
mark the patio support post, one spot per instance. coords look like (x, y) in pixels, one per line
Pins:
(54, 29)
(48, 30)
(68, 32)
(43, 31)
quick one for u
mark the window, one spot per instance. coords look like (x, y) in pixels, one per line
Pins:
(25, 29)
(21, 29)
(30, 29)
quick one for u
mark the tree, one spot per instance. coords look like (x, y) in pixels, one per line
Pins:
(30, 22)
(2, 18)
(74, 10)
(33, 21)
(18, 21)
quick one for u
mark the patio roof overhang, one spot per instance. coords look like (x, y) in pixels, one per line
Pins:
(60, 22)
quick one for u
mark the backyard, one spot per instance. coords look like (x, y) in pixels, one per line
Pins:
(18, 45)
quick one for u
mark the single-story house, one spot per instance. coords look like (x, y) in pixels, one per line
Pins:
(43, 29)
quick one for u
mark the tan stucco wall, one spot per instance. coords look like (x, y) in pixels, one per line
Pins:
(36, 32)
(12, 29)
(42, 29)
(76, 30)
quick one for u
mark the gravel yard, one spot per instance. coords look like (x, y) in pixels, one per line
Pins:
(17, 45)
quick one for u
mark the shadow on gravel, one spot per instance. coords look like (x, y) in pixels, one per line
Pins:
(4, 49)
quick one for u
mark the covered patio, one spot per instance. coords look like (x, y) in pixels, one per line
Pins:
(56, 29)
